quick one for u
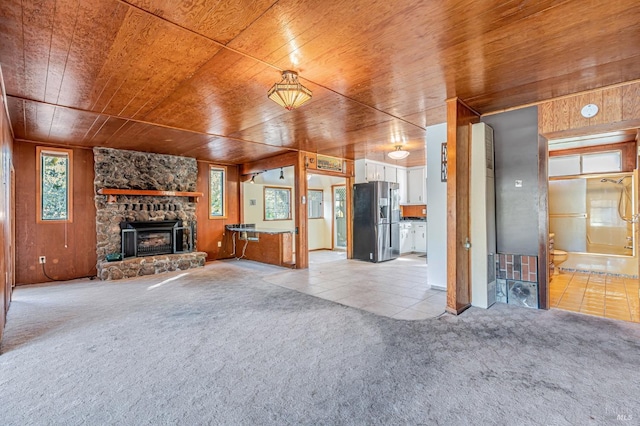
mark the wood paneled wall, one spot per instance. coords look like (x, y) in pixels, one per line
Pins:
(7, 252)
(459, 119)
(619, 108)
(70, 248)
(211, 231)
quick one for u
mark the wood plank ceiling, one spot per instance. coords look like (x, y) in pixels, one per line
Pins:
(190, 78)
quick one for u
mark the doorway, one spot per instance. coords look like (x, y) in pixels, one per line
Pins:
(339, 240)
(327, 206)
(593, 206)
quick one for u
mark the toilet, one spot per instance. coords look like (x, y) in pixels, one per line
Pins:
(557, 257)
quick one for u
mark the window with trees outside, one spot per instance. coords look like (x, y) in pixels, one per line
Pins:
(277, 203)
(315, 204)
(55, 184)
(217, 177)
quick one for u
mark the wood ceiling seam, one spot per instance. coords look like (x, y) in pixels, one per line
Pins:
(97, 131)
(24, 55)
(46, 78)
(53, 144)
(254, 21)
(5, 103)
(224, 46)
(66, 59)
(127, 120)
(122, 126)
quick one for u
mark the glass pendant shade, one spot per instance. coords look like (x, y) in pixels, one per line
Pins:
(398, 154)
(289, 93)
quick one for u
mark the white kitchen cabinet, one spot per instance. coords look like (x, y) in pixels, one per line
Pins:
(361, 171)
(375, 171)
(416, 193)
(406, 237)
(390, 173)
(420, 237)
(401, 175)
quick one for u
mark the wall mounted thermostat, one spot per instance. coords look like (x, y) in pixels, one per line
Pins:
(589, 110)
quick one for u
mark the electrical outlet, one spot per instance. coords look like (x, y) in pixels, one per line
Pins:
(42, 259)
(219, 243)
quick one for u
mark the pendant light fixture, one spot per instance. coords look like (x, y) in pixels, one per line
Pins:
(398, 154)
(253, 179)
(281, 174)
(289, 93)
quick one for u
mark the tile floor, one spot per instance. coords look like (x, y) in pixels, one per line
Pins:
(596, 294)
(396, 289)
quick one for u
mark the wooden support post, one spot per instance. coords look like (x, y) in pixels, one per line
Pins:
(459, 120)
(301, 213)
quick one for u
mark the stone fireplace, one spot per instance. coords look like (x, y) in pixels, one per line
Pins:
(150, 222)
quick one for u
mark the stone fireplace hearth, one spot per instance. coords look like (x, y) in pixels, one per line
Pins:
(134, 173)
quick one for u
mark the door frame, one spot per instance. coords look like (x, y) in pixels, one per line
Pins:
(333, 218)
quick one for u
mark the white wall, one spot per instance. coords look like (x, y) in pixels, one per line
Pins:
(436, 209)
(319, 236)
(255, 191)
(319, 230)
(255, 213)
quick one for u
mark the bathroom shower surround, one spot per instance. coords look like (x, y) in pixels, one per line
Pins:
(517, 280)
(121, 169)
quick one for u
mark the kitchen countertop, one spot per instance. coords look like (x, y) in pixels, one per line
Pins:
(413, 219)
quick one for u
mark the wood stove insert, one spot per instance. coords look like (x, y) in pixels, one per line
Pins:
(155, 238)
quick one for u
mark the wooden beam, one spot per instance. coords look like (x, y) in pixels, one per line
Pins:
(459, 119)
(283, 160)
(301, 213)
(543, 223)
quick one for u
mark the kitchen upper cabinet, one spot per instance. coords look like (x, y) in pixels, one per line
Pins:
(368, 171)
(375, 171)
(390, 173)
(416, 193)
(401, 175)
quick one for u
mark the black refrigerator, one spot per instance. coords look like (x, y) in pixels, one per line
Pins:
(376, 221)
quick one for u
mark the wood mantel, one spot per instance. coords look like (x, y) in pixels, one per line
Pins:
(113, 192)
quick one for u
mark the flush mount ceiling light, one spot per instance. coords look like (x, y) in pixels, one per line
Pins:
(398, 154)
(289, 93)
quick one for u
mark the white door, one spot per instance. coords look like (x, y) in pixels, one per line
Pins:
(339, 217)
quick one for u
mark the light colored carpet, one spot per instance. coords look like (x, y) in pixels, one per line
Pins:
(221, 346)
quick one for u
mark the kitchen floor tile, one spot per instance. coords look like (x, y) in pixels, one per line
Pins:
(382, 308)
(429, 306)
(385, 288)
